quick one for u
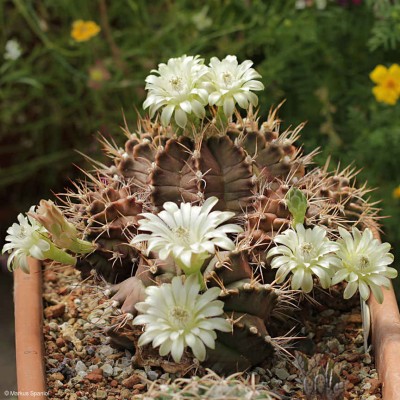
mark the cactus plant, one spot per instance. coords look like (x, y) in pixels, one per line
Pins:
(148, 216)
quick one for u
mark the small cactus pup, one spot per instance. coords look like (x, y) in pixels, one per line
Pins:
(45, 234)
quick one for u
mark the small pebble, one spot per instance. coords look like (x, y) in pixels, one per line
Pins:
(80, 366)
(106, 350)
(53, 326)
(152, 375)
(132, 381)
(125, 394)
(107, 369)
(101, 394)
(57, 376)
(54, 311)
(94, 377)
(281, 373)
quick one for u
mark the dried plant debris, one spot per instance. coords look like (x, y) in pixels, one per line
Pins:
(319, 383)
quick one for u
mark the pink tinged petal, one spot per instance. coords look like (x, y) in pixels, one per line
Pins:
(351, 288)
(229, 107)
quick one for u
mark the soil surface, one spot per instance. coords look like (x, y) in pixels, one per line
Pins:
(82, 363)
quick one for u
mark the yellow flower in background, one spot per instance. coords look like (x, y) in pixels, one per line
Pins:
(84, 30)
(388, 83)
(396, 192)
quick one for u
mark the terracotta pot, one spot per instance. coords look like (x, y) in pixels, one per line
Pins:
(31, 373)
(385, 320)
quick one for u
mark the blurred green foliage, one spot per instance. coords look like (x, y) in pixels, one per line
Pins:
(319, 60)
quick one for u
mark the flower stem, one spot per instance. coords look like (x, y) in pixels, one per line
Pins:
(80, 246)
(59, 255)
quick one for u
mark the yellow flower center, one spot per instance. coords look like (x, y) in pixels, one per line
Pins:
(390, 83)
(306, 248)
(181, 232)
(179, 315)
(363, 262)
(176, 83)
(227, 78)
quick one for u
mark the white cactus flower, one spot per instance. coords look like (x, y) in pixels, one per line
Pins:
(178, 89)
(176, 316)
(363, 264)
(229, 83)
(188, 233)
(28, 238)
(304, 253)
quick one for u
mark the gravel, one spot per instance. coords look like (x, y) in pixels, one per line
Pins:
(82, 364)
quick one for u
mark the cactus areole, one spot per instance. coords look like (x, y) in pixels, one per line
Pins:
(208, 223)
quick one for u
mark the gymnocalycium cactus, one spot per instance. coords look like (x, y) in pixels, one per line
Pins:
(196, 212)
